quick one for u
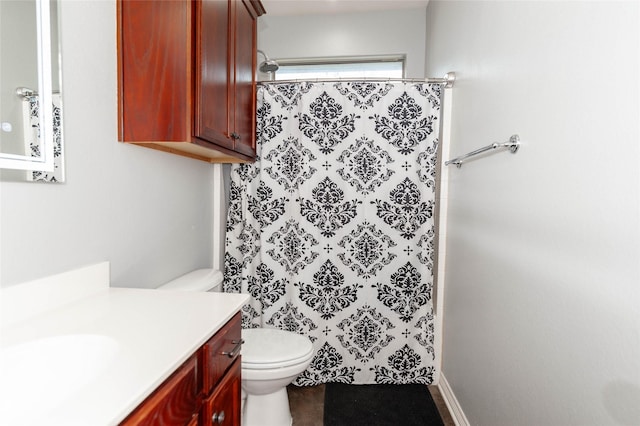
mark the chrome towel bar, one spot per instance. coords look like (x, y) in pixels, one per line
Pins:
(513, 144)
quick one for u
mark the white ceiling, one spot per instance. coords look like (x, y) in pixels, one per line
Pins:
(310, 7)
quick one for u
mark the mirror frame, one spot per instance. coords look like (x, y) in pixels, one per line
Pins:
(45, 161)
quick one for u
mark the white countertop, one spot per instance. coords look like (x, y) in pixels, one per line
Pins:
(121, 344)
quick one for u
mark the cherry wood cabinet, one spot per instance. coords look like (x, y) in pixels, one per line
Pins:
(204, 391)
(186, 76)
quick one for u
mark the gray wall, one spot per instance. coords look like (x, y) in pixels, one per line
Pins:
(349, 34)
(542, 270)
(145, 211)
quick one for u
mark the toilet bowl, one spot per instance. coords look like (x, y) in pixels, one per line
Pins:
(271, 359)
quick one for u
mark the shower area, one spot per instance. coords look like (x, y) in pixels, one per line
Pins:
(332, 230)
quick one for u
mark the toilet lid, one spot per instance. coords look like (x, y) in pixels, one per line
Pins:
(272, 348)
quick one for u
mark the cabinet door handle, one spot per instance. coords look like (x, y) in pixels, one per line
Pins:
(218, 417)
(235, 136)
(236, 348)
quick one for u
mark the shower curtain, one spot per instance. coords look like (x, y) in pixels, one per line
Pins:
(31, 131)
(331, 230)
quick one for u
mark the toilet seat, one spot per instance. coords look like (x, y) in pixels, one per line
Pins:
(268, 348)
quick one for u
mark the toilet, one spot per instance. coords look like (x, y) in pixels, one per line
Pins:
(271, 359)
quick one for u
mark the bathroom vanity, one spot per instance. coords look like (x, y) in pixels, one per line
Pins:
(88, 354)
(205, 390)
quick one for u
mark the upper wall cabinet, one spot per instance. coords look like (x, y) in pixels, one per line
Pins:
(187, 76)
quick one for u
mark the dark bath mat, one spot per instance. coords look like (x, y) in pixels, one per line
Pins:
(379, 405)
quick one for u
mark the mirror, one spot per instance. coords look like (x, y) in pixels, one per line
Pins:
(31, 142)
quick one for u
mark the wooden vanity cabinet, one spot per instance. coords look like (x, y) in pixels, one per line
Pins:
(186, 76)
(204, 391)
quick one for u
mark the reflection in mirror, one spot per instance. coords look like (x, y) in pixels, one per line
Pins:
(23, 130)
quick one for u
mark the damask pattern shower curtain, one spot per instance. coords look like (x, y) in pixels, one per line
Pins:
(331, 230)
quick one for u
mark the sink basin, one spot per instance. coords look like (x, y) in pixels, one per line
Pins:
(36, 376)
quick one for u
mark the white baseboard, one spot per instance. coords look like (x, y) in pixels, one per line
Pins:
(452, 403)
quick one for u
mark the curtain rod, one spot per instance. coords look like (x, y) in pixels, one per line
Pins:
(447, 80)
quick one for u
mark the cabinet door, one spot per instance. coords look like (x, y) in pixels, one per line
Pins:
(213, 89)
(154, 49)
(223, 406)
(244, 79)
(175, 402)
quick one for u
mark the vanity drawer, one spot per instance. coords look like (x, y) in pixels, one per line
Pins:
(220, 352)
(174, 402)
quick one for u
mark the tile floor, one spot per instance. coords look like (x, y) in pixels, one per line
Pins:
(307, 405)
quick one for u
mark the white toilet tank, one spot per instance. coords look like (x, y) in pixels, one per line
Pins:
(198, 280)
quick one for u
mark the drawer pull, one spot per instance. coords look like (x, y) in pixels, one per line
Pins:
(218, 417)
(236, 348)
